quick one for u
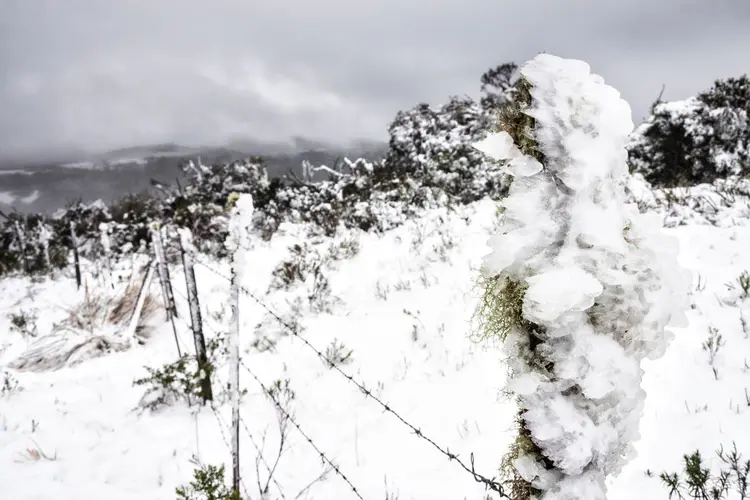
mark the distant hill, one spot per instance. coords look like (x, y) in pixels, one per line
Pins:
(46, 186)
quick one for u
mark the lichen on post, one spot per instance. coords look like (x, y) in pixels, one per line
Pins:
(579, 287)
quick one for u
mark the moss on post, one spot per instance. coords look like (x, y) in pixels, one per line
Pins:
(500, 310)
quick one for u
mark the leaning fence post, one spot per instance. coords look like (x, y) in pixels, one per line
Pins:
(142, 294)
(240, 209)
(166, 286)
(196, 321)
(76, 257)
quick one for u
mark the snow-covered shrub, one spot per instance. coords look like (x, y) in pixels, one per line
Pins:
(724, 203)
(130, 220)
(28, 243)
(697, 140)
(24, 323)
(201, 205)
(581, 285)
(433, 148)
(181, 380)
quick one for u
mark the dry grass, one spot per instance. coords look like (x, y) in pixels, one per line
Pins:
(95, 312)
(92, 328)
(34, 454)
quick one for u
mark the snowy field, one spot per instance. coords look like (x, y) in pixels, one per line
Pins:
(403, 306)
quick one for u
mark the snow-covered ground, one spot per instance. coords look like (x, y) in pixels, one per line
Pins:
(403, 306)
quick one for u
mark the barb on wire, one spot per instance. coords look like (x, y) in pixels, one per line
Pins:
(291, 419)
(490, 484)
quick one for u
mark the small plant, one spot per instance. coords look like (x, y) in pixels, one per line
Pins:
(182, 380)
(415, 327)
(697, 481)
(35, 454)
(445, 245)
(10, 385)
(419, 231)
(344, 249)
(712, 346)
(337, 353)
(207, 484)
(382, 291)
(301, 261)
(24, 322)
(389, 495)
(402, 285)
(744, 281)
(319, 294)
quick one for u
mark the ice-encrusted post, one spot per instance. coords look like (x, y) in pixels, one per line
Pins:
(579, 286)
(240, 210)
(196, 321)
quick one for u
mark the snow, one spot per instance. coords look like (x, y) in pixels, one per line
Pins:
(402, 303)
(442, 382)
(554, 292)
(500, 146)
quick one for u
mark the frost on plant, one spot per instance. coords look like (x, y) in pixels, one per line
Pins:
(579, 286)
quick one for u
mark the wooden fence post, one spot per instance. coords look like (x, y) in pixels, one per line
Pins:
(196, 321)
(76, 257)
(166, 285)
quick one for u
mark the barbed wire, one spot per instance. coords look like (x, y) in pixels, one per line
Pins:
(490, 484)
(291, 419)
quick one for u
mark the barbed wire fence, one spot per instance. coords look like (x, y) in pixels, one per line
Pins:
(491, 484)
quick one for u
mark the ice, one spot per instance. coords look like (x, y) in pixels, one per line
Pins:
(603, 282)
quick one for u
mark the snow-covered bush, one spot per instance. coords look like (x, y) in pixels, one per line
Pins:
(433, 147)
(724, 203)
(697, 140)
(581, 284)
(28, 243)
(201, 205)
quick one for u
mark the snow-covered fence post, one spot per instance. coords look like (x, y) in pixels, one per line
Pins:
(106, 249)
(196, 321)
(45, 235)
(240, 210)
(76, 257)
(166, 286)
(579, 286)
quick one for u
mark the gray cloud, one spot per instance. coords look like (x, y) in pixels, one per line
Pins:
(93, 74)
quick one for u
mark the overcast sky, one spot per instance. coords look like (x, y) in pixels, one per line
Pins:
(111, 73)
